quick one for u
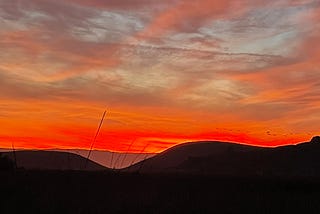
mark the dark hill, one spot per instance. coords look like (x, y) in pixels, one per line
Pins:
(173, 157)
(230, 159)
(51, 160)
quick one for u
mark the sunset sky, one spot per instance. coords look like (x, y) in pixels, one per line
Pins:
(166, 71)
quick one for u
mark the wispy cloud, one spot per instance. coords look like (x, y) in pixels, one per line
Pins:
(249, 66)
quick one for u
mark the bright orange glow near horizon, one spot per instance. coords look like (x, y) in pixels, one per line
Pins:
(167, 72)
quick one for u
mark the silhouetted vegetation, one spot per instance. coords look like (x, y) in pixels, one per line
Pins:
(5, 163)
(105, 192)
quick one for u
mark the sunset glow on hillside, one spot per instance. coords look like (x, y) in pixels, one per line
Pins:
(166, 71)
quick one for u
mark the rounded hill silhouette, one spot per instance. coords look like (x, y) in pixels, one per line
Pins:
(52, 160)
(315, 139)
(231, 159)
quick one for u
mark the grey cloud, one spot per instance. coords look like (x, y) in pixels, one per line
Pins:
(78, 88)
(126, 4)
(14, 87)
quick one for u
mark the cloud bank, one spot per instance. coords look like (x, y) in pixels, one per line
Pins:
(167, 71)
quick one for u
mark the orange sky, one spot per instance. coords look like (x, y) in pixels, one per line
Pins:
(167, 72)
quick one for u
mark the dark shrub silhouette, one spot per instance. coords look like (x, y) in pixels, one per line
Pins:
(5, 163)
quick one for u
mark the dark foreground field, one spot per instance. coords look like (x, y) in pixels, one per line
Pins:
(105, 192)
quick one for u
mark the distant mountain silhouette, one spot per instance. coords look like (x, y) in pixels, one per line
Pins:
(52, 160)
(221, 158)
(111, 159)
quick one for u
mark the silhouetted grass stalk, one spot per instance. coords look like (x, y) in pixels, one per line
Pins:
(95, 137)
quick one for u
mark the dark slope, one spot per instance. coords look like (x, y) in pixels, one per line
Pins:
(217, 158)
(111, 159)
(170, 159)
(51, 160)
